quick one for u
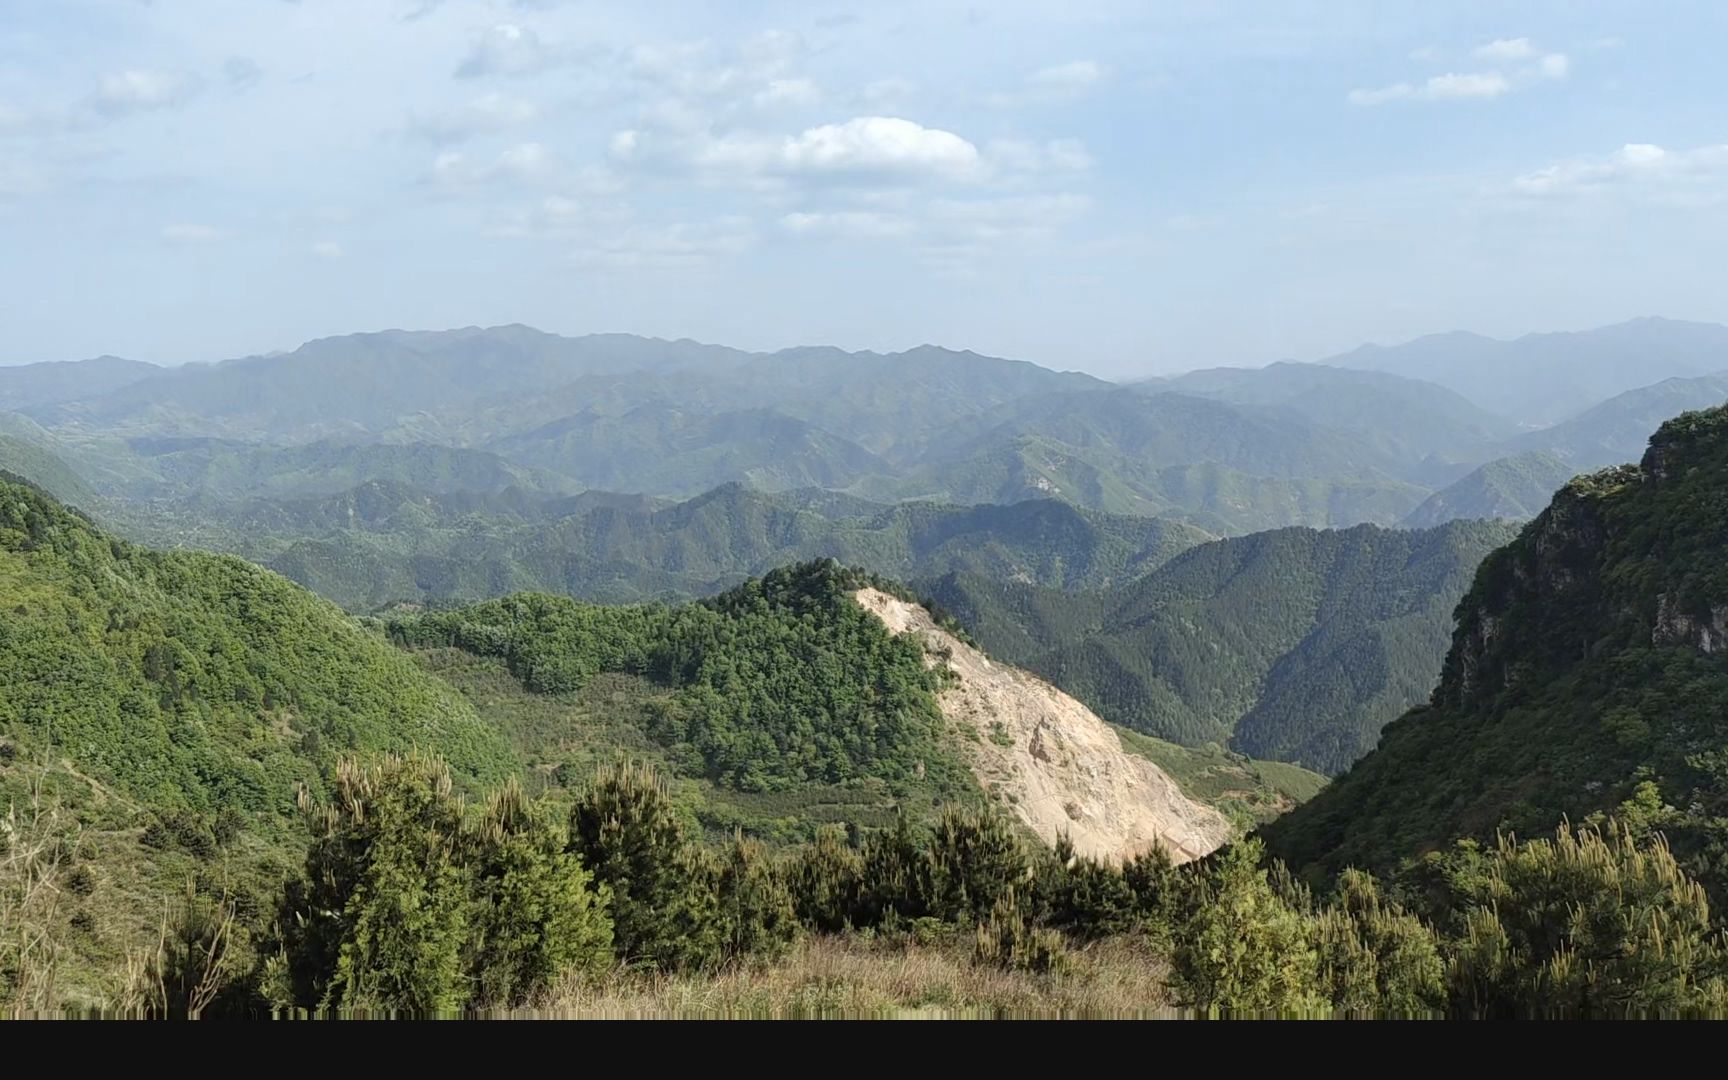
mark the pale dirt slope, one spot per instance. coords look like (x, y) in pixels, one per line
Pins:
(1065, 770)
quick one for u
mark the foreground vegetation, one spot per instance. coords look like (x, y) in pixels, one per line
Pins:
(411, 902)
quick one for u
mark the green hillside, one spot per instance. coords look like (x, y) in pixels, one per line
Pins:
(1513, 489)
(382, 541)
(199, 681)
(1293, 645)
(1587, 661)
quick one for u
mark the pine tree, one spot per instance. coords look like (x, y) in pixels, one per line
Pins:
(627, 833)
(536, 916)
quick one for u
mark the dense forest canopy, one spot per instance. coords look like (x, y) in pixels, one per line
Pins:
(1586, 668)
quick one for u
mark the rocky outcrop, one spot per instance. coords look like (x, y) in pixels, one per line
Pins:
(1051, 760)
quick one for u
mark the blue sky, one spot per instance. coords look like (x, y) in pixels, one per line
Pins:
(1117, 187)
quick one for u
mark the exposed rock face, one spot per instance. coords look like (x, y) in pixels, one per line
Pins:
(1704, 632)
(1555, 562)
(1054, 762)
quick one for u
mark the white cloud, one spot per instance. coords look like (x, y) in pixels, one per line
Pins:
(1077, 75)
(879, 144)
(1505, 49)
(1451, 87)
(328, 249)
(866, 148)
(1448, 87)
(140, 90)
(483, 115)
(524, 163)
(1052, 85)
(1508, 74)
(1688, 176)
(507, 49)
(788, 93)
(186, 234)
(847, 224)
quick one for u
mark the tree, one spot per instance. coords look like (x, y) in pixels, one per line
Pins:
(535, 914)
(825, 876)
(1590, 923)
(757, 916)
(1243, 951)
(380, 921)
(976, 859)
(1375, 959)
(627, 834)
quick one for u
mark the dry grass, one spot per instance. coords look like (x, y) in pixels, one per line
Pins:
(856, 977)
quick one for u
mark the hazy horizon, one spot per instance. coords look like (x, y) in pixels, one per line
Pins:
(1174, 369)
(1104, 189)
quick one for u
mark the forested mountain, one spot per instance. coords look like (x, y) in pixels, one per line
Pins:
(26, 385)
(1587, 662)
(1615, 432)
(1292, 645)
(668, 452)
(1545, 378)
(1400, 418)
(1511, 488)
(1225, 468)
(384, 541)
(224, 470)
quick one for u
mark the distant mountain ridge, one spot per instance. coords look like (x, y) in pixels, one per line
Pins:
(1545, 378)
(24, 386)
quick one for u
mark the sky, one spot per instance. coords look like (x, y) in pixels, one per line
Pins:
(1119, 187)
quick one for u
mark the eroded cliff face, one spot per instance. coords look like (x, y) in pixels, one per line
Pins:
(1589, 659)
(1554, 565)
(1051, 760)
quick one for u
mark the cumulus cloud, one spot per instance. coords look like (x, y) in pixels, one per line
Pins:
(1516, 64)
(1686, 175)
(865, 148)
(486, 114)
(187, 234)
(140, 90)
(328, 249)
(879, 144)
